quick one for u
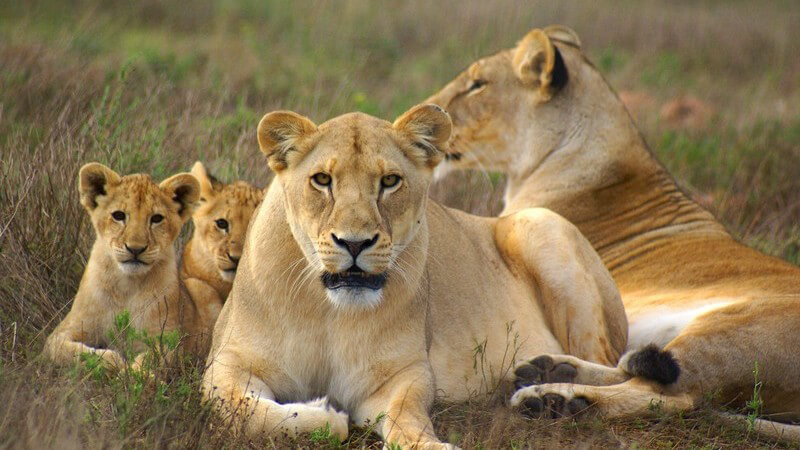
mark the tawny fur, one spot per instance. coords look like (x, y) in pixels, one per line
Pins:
(211, 256)
(466, 298)
(718, 306)
(150, 291)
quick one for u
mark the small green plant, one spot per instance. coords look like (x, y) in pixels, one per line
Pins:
(131, 389)
(324, 437)
(755, 404)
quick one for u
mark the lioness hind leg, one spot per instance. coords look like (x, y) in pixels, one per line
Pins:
(579, 297)
(735, 347)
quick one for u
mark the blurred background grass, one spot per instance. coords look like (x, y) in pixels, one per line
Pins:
(151, 86)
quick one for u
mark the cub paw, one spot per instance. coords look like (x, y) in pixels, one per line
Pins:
(543, 369)
(535, 403)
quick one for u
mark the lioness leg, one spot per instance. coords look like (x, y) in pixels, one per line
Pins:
(64, 348)
(251, 402)
(634, 397)
(567, 369)
(403, 403)
(579, 297)
(725, 352)
(208, 304)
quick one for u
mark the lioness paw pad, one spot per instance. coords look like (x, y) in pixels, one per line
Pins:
(535, 403)
(541, 370)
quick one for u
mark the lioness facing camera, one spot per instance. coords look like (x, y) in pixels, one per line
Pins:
(132, 265)
(353, 285)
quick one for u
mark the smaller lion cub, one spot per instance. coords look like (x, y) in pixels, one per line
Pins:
(132, 265)
(212, 254)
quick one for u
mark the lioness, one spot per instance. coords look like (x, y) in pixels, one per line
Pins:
(212, 254)
(353, 285)
(544, 115)
(132, 264)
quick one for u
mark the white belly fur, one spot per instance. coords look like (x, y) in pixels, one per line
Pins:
(661, 325)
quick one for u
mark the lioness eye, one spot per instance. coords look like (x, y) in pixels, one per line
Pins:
(119, 216)
(389, 181)
(222, 224)
(322, 179)
(477, 84)
(157, 218)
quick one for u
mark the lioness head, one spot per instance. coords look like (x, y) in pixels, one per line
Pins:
(511, 109)
(135, 218)
(355, 190)
(222, 217)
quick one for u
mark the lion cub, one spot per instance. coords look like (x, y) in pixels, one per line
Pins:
(132, 265)
(220, 222)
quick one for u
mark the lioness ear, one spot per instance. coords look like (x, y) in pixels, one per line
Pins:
(208, 184)
(278, 135)
(184, 190)
(94, 179)
(428, 126)
(538, 63)
(561, 33)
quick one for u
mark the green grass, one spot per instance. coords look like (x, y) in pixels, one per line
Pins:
(152, 86)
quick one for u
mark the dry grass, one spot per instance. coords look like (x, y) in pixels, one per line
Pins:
(154, 85)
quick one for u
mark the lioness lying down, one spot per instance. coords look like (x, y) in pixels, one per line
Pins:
(544, 115)
(132, 265)
(353, 285)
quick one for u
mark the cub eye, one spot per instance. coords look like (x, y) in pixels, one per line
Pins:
(222, 224)
(389, 181)
(321, 179)
(477, 84)
(119, 216)
(157, 218)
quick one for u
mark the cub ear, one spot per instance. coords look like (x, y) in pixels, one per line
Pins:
(94, 179)
(209, 185)
(184, 190)
(279, 132)
(428, 126)
(538, 63)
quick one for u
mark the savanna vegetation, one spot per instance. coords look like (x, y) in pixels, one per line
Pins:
(152, 86)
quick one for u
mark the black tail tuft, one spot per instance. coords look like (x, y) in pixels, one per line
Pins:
(655, 364)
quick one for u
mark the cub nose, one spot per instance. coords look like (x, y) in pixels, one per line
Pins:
(355, 247)
(136, 251)
(234, 259)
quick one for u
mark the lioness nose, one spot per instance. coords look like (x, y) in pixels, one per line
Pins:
(355, 247)
(136, 251)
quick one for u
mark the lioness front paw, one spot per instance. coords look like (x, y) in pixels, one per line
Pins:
(544, 369)
(549, 401)
(113, 359)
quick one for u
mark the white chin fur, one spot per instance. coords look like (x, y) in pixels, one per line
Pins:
(133, 269)
(355, 297)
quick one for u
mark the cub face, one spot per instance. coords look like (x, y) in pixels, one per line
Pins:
(355, 190)
(504, 102)
(222, 217)
(136, 219)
